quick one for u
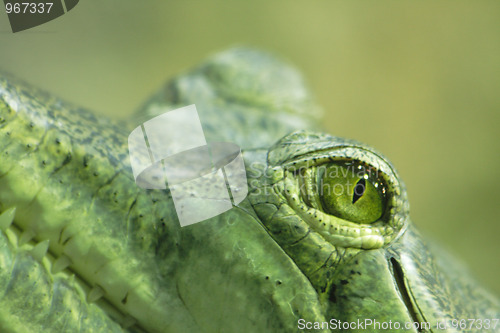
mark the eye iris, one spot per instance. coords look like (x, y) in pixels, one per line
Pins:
(350, 194)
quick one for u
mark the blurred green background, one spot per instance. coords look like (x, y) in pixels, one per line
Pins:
(418, 81)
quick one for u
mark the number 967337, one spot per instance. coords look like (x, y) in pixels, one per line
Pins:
(28, 7)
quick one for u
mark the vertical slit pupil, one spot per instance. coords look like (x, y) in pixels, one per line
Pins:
(359, 190)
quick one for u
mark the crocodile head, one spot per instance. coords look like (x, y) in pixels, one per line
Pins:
(324, 234)
(340, 211)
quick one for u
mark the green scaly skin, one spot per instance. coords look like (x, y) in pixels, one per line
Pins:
(260, 267)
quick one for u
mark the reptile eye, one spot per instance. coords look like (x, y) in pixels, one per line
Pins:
(351, 192)
(338, 189)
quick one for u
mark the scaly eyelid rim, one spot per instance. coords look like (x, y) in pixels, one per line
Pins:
(348, 152)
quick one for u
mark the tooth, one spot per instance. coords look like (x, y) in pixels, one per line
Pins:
(7, 217)
(96, 293)
(11, 236)
(26, 237)
(60, 264)
(128, 322)
(40, 250)
(67, 233)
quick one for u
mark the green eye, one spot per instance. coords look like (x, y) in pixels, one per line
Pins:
(351, 192)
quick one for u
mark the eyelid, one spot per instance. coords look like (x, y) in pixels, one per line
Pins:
(347, 153)
(308, 179)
